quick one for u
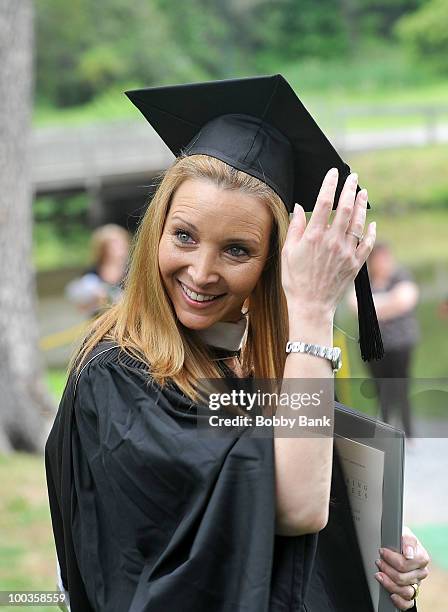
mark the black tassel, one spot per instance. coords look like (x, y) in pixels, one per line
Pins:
(370, 341)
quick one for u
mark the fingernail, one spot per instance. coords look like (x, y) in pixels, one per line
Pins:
(363, 195)
(333, 172)
(373, 226)
(378, 562)
(379, 577)
(354, 177)
(380, 550)
(409, 552)
(296, 208)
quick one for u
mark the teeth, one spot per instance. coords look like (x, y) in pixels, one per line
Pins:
(198, 297)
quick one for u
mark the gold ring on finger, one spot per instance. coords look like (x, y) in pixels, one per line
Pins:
(416, 588)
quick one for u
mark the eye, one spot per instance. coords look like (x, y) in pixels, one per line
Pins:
(182, 236)
(237, 251)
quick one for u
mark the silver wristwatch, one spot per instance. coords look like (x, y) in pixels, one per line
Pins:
(332, 353)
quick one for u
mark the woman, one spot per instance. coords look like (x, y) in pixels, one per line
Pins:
(396, 296)
(101, 285)
(146, 515)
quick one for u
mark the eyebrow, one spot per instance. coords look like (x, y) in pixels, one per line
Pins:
(191, 226)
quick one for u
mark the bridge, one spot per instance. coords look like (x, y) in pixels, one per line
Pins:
(116, 162)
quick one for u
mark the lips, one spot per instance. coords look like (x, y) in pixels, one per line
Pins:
(192, 301)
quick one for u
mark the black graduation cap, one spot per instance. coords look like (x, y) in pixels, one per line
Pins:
(257, 125)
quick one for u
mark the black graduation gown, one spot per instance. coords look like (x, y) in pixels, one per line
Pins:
(147, 517)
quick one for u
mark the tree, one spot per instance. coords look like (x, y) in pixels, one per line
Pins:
(86, 46)
(426, 33)
(377, 18)
(24, 400)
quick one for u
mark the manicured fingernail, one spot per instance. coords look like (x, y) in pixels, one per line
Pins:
(409, 552)
(379, 577)
(333, 172)
(363, 195)
(296, 207)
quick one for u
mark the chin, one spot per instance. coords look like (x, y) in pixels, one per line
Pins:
(195, 322)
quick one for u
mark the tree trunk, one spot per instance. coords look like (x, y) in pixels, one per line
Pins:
(25, 405)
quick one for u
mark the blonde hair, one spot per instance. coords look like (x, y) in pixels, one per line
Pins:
(101, 237)
(144, 322)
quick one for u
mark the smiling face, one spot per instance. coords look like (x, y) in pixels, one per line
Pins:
(212, 251)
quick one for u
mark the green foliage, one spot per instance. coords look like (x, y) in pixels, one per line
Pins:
(60, 232)
(288, 30)
(86, 47)
(377, 18)
(426, 33)
(53, 249)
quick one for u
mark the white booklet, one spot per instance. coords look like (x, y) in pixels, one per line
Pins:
(363, 468)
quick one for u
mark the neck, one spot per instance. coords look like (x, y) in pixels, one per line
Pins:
(225, 334)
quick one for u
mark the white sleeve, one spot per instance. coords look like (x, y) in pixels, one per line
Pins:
(83, 290)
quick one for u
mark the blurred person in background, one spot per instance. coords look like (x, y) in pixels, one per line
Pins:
(395, 295)
(101, 285)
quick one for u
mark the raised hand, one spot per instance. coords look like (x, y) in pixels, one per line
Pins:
(319, 260)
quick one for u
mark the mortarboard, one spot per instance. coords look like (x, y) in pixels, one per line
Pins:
(258, 125)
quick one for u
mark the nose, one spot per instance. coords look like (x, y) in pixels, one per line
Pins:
(203, 269)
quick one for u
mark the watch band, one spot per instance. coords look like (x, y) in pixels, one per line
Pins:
(332, 353)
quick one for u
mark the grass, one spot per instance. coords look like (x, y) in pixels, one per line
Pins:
(417, 237)
(373, 108)
(27, 555)
(400, 181)
(56, 379)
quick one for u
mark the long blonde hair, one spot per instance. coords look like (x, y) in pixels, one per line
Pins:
(144, 322)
